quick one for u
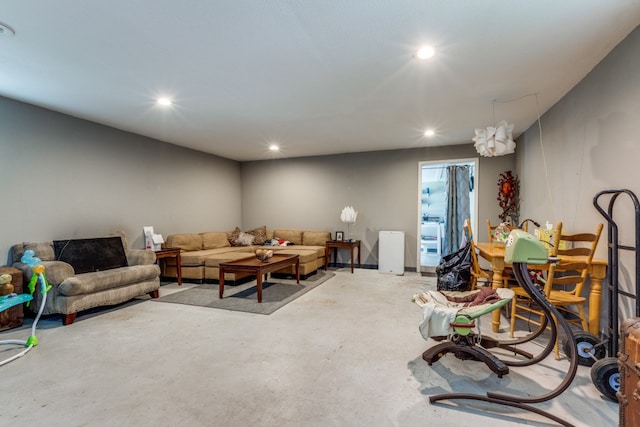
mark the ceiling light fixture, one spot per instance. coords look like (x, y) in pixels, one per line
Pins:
(498, 140)
(495, 140)
(274, 147)
(429, 133)
(165, 102)
(425, 52)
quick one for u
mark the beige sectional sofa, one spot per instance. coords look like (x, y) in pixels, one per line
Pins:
(202, 253)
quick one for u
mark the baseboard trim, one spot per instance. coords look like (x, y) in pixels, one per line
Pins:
(366, 266)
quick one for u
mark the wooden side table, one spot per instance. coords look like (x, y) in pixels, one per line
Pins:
(172, 253)
(335, 245)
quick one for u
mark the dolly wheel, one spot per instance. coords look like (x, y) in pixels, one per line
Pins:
(606, 377)
(586, 348)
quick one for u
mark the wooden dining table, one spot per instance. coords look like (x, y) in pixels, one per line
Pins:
(597, 272)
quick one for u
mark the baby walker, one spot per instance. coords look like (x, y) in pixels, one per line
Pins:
(13, 299)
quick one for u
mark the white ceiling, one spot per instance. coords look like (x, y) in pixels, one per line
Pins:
(318, 77)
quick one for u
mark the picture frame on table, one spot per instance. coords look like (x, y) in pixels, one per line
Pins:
(339, 235)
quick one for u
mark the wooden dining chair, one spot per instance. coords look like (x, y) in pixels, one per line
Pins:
(521, 302)
(478, 274)
(564, 281)
(574, 247)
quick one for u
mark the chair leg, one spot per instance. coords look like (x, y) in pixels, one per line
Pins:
(556, 347)
(507, 311)
(583, 318)
(513, 316)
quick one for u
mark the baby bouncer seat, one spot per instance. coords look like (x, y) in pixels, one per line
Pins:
(521, 249)
(454, 318)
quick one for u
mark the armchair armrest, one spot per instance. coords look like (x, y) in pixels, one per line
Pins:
(55, 271)
(140, 257)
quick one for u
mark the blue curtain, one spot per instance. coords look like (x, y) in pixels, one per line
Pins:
(458, 206)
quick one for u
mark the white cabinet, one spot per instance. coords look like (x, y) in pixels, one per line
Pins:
(391, 252)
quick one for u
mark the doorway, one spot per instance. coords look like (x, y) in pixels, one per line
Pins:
(447, 196)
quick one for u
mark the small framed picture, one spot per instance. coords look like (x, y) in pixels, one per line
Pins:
(339, 235)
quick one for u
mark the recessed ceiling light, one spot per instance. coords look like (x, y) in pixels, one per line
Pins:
(425, 52)
(165, 102)
(429, 132)
(274, 147)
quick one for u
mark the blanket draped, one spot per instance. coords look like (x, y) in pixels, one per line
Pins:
(439, 309)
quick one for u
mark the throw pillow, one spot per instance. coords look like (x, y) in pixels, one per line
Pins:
(233, 236)
(260, 235)
(244, 239)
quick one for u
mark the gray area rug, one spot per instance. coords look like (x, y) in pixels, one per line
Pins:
(276, 293)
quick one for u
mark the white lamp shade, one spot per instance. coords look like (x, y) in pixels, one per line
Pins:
(495, 141)
(348, 215)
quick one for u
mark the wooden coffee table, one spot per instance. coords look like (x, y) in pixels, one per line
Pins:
(257, 268)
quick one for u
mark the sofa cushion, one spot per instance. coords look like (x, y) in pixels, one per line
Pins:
(260, 235)
(306, 255)
(42, 250)
(214, 261)
(294, 236)
(89, 283)
(315, 238)
(215, 239)
(233, 236)
(318, 250)
(141, 256)
(245, 239)
(196, 258)
(57, 271)
(184, 241)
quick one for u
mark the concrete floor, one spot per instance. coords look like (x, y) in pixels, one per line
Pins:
(347, 353)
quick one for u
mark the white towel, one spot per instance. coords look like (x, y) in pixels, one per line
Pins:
(438, 313)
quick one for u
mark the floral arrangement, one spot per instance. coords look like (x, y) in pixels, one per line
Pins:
(501, 233)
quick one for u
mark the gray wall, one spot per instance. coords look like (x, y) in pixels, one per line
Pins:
(63, 177)
(590, 143)
(70, 178)
(382, 186)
